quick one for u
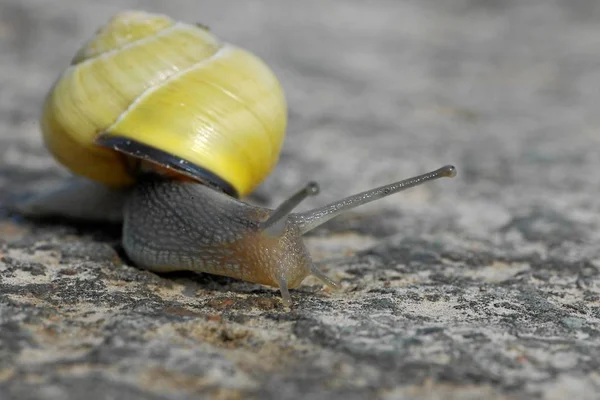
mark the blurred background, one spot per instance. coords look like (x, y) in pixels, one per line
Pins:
(506, 90)
(377, 91)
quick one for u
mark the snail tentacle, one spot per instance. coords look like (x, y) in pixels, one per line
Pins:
(285, 293)
(311, 219)
(320, 275)
(275, 224)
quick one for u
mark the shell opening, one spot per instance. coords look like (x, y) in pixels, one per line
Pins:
(165, 160)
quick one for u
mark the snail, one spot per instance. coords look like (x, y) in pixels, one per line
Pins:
(166, 129)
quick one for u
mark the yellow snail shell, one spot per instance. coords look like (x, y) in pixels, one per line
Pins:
(171, 87)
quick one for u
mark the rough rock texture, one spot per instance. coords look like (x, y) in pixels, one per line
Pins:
(485, 286)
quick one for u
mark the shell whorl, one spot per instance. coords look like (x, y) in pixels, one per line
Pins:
(124, 28)
(170, 86)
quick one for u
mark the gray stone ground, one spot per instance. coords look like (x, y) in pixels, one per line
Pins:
(485, 286)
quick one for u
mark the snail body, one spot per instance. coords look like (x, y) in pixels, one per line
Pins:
(166, 128)
(229, 240)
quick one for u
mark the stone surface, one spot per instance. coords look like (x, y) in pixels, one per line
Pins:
(485, 286)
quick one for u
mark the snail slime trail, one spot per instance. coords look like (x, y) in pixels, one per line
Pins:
(173, 143)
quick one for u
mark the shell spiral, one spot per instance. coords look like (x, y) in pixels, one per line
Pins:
(169, 86)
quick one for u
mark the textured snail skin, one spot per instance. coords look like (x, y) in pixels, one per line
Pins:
(170, 86)
(173, 225)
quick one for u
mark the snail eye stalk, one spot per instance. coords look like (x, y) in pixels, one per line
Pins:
(275, 224)
(313, 218)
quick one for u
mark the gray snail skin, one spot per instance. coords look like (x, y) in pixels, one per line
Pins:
(166, 129)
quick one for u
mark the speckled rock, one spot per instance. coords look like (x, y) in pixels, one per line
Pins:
(485, 286)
